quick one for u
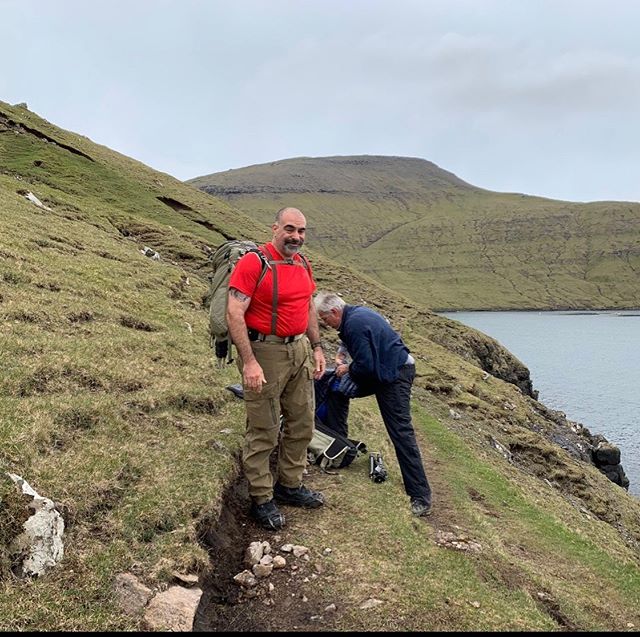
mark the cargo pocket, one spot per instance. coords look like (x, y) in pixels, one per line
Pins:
(263, 408)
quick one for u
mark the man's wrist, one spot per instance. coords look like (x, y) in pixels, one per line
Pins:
(316, 344)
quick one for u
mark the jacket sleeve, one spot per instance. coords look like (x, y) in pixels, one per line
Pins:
(360, 348)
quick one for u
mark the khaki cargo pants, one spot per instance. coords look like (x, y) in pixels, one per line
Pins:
(288, 369)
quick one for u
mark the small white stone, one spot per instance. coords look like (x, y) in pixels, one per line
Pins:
(299, 550)
(245, 578)
(262, 570)
(254, 553)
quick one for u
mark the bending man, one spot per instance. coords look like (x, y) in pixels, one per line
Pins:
(381, 365)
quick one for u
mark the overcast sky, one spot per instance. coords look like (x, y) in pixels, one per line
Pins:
(534, 96)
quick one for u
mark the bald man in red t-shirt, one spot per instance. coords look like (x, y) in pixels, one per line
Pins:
(278, 342)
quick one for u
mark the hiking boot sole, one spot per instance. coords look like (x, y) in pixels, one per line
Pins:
(269, 525)
(310, 504)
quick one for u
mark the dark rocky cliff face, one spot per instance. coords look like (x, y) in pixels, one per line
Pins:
(500, 362)
(483, 351)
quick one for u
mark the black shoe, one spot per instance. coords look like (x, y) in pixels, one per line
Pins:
(267, 515)
(298, 496)
(420, 507)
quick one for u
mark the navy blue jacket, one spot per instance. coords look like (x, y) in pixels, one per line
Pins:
(376, 349)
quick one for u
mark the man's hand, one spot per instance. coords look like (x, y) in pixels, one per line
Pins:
(341, 370)
(320, 363)
(253, 377)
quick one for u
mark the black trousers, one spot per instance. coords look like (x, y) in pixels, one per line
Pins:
(394, 402)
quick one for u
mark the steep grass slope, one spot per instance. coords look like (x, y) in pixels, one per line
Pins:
(445, 243)
(111, 406)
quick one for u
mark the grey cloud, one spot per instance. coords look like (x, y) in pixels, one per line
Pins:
(576, 81)
(454, 71)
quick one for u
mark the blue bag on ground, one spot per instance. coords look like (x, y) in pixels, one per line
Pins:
(328, 448)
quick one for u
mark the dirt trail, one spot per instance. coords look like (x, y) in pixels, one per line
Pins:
(300, 597)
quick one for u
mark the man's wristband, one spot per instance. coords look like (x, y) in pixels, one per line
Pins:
(316, 344)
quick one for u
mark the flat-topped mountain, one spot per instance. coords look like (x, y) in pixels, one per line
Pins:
(367, 174)
(448, 244)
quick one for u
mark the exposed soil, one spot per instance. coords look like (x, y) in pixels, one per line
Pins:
(299, 600)
(296, 602)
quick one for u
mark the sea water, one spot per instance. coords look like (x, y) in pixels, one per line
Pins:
(585, 364)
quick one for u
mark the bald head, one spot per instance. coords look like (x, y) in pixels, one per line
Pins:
(282, 211)
(289, 231)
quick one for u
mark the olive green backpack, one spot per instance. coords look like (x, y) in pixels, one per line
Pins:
(223, 261)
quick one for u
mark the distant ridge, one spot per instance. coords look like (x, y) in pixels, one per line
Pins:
(428, 234)
(361, 174)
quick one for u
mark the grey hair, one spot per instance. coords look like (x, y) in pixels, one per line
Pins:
(326, 301)
(280, 212)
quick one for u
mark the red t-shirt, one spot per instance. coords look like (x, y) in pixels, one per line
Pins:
(295, 287)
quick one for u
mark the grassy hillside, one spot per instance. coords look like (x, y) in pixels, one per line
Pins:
(445, 243)
(110, 405)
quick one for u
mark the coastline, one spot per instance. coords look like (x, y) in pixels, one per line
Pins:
(571, 310)
(586, 373)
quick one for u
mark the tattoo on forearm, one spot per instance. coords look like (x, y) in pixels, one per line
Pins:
(239, 295)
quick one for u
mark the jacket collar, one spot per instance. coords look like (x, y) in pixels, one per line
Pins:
(345, 310)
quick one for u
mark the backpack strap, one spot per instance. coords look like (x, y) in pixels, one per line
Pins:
(274, 299)
(265, 264)
(273, 263)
